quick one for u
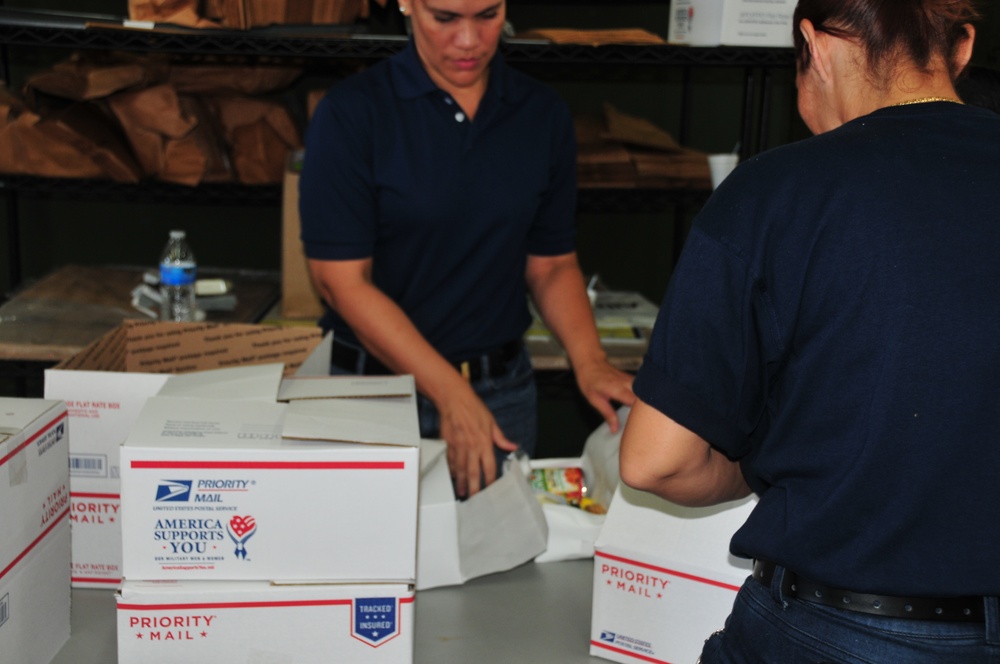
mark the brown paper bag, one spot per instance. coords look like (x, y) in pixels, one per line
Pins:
(172, 135)
(86, 76)
(259, 132)
(79, 141)
(178, 12)
(224, 79)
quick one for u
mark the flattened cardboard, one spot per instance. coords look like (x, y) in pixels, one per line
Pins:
(340, 387)
(361, 409)
(299, 298)
(252, 383)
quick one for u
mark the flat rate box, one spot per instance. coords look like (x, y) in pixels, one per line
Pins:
(34, 530)
(105, 386)
(765, 23)
(219, 490)
(235, 622)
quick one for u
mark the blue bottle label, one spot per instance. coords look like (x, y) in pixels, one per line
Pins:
(177, 275)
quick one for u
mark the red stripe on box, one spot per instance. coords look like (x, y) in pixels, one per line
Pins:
(38, 433)
(244, 605)
(271, 465)
(105, 496)
(83, 579)
(27, 550)
(672, 572)
(628, 653)
(233, 605)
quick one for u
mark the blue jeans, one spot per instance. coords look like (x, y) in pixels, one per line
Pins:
(768, 627)
(512, 398)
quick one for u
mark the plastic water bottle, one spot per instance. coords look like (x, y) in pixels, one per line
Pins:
(178, 271)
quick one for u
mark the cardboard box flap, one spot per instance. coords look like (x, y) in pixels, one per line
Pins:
(254, 383)
(318, 362)
(106, 353)
(382, 421)
(696, 537)
(345, 387)
(501, 527)
(163, 347)
(206, 424)
(430, 452)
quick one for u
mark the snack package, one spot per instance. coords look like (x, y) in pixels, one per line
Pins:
(563, 486)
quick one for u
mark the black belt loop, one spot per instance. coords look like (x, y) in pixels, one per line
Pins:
(487, 365)
(946, 609)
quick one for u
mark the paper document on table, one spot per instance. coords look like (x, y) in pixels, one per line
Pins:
(621, 317)
(629, 305)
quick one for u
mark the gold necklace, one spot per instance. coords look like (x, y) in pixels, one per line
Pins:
(923, 100)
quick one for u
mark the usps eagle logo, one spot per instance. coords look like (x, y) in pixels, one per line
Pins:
(241, 528)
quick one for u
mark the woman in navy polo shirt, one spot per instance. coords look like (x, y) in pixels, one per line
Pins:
(438, 189)
(831, 340)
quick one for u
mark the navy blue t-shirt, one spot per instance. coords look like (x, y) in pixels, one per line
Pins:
(448, 209)
(834, 323)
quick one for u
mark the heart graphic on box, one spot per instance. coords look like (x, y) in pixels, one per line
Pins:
(241, 528)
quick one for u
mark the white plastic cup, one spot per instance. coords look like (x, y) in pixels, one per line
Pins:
(721, 165)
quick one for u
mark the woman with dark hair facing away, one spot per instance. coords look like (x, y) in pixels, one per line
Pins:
(830, 341)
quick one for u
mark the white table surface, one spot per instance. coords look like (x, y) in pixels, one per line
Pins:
(535, 613)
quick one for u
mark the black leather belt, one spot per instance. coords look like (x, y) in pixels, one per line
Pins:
(491, 364)
(947, 609)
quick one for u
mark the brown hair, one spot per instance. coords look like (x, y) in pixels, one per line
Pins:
(889, 29)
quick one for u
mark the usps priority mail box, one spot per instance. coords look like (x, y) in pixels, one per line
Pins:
(216, 489)
(664, 579)
(105, 386)
(235, 622)
(34, 529)
(731, 23)
(34, 473)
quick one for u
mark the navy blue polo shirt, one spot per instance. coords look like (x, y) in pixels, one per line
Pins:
(834, 324)
(448, 209)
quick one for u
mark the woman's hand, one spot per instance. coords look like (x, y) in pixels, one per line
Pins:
(471, 432)
(602, 385)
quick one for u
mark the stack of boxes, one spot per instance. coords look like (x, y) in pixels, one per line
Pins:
(270, 520)
(105, 386)
(34, 530)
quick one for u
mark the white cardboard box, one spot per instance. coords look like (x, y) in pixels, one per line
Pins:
(34, 529)
(35, 600)
(248, 490)
(497, 529)
(34, 473)
(253, 621)
(664, 579)
(104, 387)
(731, 22)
